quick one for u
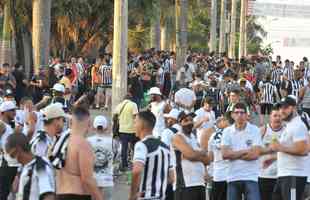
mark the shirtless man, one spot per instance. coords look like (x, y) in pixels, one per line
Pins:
(75, 180)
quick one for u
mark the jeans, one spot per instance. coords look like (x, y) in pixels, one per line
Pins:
(127, 138)
(289, 188)
(249, 189)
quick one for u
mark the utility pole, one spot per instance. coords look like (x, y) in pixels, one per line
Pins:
(213, 34)
(222, 27)
(242, 39)
(41, 28)
(232, 44)
(120, 46)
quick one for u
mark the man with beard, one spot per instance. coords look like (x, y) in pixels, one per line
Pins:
(268, 169)
(292, 150)
(54, 118)
(8, 166)
(240, 145)
(190, 162)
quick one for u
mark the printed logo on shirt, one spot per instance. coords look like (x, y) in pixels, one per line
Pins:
(249, 143)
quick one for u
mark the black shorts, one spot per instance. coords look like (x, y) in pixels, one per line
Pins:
(265, 108)
(72, 197)
(191, 193)
(266, 186)
(219, 190)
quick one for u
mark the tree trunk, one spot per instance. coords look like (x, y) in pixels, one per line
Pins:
(232, 44)
(222, 27)
(242, 29)
(163, 36)
(181, 31)
(6, 47)
(155, 28)
(120, 46)
(213, 32)
(27, 53)
(41, 25)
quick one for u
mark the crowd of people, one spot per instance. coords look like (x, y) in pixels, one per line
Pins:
(214, 127)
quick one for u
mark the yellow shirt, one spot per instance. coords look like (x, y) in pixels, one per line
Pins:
(126, 118)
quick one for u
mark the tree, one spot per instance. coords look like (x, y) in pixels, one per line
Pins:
(232, 43)
(5, 49)
(181, 7)
(41, 16)
(213, 32)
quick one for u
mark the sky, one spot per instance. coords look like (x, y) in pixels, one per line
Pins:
(289, 37)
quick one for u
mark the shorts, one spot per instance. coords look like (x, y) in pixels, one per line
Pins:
(265, 108)
(72, 197)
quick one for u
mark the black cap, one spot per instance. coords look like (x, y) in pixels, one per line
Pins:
(185, 114)
(8, 93)
(288, 101)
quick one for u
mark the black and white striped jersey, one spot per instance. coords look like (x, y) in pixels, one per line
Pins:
(293, 87)
(288, 72)
(276, 75)
(155, 155)
(268, 92)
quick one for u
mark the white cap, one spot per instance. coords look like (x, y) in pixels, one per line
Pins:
(59, 87)
(100, 120)
(174, 113)
(53, 111)
(7, 105)
(154, 90)
(185, 97)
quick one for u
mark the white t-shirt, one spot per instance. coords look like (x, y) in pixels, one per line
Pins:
(271, 170)
(241, 170)
(158, 110)
(42, 181)
(201, 113)
(102, 147)
(291, 165)
(219, 165)
(11, 162)
(167, 135)
(193, 172)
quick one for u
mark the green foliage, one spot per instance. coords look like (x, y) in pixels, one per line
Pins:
(198, 28)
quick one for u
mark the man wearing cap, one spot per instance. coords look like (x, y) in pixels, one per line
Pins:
(53, 119)
(157, 107)
(292, 150)
(190, 162)
(102, 144)
(8, 166)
